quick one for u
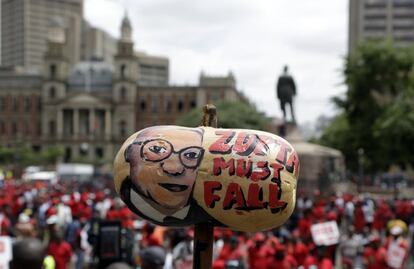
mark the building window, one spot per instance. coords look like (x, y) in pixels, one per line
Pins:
(15, 103)
(2, 129)
(154, 105)
(99, 152)
(123, 94)
(1, 103)
(39, 104)
(68, 154)
(168, 104)
(14, 128)
(27, 104)
(39, 128)
(180, 105)
(52, 70)
(52, 128)
(123, 70)
(122, 129)
(143, 105)
(52, 93)
(193, 104)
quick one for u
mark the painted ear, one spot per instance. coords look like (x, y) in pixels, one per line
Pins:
(127, 152)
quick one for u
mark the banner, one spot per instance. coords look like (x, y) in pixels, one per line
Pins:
(325, 234)
(395, 256)
(5, 252)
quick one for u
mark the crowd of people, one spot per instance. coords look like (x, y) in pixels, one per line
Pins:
(65, 221)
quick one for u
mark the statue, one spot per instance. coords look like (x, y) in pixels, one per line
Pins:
(285, 90)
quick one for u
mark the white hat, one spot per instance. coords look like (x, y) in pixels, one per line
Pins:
(396, 230)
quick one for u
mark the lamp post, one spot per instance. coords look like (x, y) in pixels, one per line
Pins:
(360, 168)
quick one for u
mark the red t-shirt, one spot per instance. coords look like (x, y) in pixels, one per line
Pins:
(61, 252)
(259, 257)
(300, 252)
(279, 264)
(326, 263)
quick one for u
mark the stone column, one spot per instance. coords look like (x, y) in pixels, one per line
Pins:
(59, 124)
(76, 123)
(108, 124)
(92, 125)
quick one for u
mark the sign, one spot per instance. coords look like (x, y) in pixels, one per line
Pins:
(5, 252)
(325, 234)
(178, 176)
(395, 256)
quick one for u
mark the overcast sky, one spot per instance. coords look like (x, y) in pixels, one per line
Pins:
(253, 39)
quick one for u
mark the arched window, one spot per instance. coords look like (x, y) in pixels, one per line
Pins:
(192, 103)
(52, 71)
(123, 94)
(52, 92)
(123, 70)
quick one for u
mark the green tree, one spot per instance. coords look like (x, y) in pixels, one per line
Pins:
(377, 109)
(230, 115)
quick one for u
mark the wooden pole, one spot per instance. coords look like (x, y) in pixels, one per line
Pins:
(204, 233)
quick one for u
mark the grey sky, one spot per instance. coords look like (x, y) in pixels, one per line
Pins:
(253, 39)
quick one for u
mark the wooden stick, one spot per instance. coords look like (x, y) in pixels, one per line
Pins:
(204, 233)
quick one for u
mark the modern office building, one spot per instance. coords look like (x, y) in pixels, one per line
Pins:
(91, 107)
(381, 20)
(24, 30)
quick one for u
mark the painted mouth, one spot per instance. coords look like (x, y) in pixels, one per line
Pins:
(173, 187)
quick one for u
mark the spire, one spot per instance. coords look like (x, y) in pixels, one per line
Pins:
(126, 29)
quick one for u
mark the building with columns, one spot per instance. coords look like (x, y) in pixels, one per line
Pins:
(90, 109)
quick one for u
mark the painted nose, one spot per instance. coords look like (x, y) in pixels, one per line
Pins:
(172, 166)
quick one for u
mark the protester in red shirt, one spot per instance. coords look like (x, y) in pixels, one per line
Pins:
(259, 252)
(300, 252)
(60, 250)
(281, 260)
(149, 238)
(305, 224)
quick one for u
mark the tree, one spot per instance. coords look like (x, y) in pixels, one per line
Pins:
(230, 115)
(376, 113)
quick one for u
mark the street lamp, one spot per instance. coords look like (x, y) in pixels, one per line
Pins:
(360, 168)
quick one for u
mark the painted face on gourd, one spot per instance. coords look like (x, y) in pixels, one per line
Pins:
(164, 165)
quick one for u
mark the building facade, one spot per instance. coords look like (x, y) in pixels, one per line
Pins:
(90, 109)
(24, 30)
(380, 20)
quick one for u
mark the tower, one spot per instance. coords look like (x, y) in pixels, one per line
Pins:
(125, 81)
(56, 70)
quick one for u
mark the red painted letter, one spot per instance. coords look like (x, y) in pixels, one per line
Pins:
(255, 196)
(245, 143)
(243, 170)
(222, 144)
(209, 197)
(263, 172)
(220, 163)
(234, 195)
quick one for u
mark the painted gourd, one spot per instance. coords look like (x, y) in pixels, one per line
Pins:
(176, 176)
